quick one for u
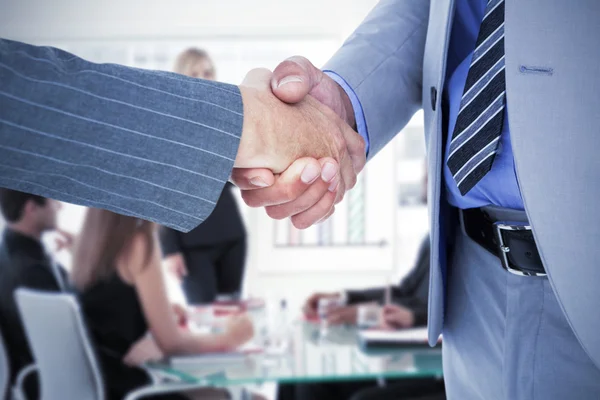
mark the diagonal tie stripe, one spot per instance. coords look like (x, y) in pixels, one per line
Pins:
(488, 43)
(484, 64)
(494, 17)
(492, 98)
(485, 135)
(478, 89)
(479, 123)
(475, 175)
(492, 5)
(485, 152)
(471, 114)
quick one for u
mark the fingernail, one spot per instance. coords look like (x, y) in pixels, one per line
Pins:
(289, 79)
(329, 172)
(334, 186)
(258, 181)
(310, 173)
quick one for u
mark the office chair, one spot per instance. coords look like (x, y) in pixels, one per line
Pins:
(4, 370)
(66, 361)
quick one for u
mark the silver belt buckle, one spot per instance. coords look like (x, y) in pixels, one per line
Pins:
(504, 249)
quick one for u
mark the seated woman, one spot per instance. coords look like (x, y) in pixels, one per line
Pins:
(117, 271)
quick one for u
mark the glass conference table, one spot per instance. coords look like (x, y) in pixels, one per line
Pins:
(310, 356)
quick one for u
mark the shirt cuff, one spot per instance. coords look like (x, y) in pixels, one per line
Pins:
(359, 115)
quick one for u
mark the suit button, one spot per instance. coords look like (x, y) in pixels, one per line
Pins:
(433, 97)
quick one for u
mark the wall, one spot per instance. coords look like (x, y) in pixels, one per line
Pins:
(240, 35)
(39, 20)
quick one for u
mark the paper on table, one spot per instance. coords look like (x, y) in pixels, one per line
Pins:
(216, 358)
(414, 335)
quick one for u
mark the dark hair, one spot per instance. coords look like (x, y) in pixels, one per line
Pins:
(12, 203)
(104, 237)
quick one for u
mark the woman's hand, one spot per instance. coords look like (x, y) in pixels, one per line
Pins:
(175, 263)
(238, 330)
(180, 314)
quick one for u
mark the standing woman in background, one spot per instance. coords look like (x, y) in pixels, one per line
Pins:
(210, 259)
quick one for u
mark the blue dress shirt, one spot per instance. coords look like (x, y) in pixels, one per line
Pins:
(499, 187)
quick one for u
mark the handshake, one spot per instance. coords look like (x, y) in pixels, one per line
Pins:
(298, 152)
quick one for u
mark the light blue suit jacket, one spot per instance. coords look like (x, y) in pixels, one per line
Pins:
(154, 145)
(396, 60)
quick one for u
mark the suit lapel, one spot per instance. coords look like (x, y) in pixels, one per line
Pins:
(436, 49)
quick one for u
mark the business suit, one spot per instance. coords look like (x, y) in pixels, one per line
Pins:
(412, 292)
(23, 263)
(551, 88)
(214, 252)
(150, 144)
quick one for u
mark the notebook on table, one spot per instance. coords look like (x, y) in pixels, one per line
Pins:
(382, 339)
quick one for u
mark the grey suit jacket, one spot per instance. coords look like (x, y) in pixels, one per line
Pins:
(396, 60)
(154, 145)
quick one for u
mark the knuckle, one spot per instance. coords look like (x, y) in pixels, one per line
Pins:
(340, 144)
(353, 180)
(301, 223)
(250, 199)
(362, 146)
(287, 193)
(275, 213)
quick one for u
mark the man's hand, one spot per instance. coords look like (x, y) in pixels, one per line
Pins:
(307, 200)
(276, 134)
(175, 264)
(292, 81)
(396, 317)
(64, 240)
(343, 315)
(311, 304)
(296, 77)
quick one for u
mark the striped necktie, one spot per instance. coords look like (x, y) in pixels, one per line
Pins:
(479, 123)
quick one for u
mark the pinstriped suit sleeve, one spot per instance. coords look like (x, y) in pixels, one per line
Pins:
(149, 144)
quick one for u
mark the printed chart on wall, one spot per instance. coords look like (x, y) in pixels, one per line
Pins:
(359, 233)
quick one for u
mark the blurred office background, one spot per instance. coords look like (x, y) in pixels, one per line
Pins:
(374, 235)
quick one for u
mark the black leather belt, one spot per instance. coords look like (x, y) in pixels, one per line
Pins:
(512, 242)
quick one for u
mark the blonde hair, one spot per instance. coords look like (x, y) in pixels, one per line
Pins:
(186, 60)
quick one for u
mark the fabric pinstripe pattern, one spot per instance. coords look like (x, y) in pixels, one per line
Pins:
(150, 144)
(479, 124)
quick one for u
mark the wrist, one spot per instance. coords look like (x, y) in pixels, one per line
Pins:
(251, 141)
(410, 319)
(218, 343)
(349, 116)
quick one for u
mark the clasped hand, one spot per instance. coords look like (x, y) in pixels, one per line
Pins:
(298, 153)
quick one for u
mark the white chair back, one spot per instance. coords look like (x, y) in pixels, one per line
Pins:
(67, 365)
(4, 370)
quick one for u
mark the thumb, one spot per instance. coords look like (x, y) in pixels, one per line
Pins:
(294, 78)
(252, 178)
(257, 78)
